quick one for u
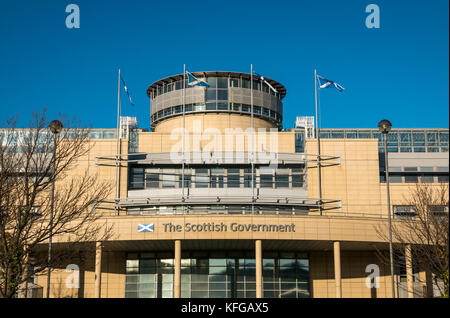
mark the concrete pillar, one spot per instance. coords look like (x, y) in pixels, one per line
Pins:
(258, 261)
(177, 274)
(409, 271)
(337, 268)
(98, 269)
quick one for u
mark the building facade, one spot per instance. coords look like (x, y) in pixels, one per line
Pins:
(218, 200)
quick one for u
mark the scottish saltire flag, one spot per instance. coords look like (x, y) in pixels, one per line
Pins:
(146, 227)
(126, 90)
(264, 80)
(324, 83)
(193, 81)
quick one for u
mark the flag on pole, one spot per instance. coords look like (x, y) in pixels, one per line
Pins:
(126, 90)
(193, 81)
(324, 83)
(264, 80)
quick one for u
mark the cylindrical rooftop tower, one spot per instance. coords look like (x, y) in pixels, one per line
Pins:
(224, 103)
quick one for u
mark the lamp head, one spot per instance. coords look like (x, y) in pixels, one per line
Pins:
(384, 126)
(55, 126)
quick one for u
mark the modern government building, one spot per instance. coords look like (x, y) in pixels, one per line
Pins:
(219, 200)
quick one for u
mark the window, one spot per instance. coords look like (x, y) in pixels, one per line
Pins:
(443, 177)
(337, 134)
(168, 178)
(233, 178)
(350, 134)
(211, 94)
(187, 180)
(404, 212)
(151, 178)
(395, 178)
(245, 108)
(364, 134)
(222, 82)
(418, 138)
(234, 82)
(426, 178)
(282, 178)
(439, 211)
(201, 178)
(297, 178)
(137, 178)
(212, 81)
(222, 105)
(211, 106)
(266, 178)
(411, 178)
(217, 177)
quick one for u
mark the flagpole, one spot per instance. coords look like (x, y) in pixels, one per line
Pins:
(253, 141)
(319, 172)
(117, 145)
(184, 110)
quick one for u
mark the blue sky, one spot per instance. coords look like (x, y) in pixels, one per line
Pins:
(399, 71)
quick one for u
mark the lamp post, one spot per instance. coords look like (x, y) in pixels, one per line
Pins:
(55, 127)
(384, 126)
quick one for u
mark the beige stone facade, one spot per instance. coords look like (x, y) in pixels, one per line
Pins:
(339, 244)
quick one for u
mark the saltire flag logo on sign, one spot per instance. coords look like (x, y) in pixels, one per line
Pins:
(193, 81)
(324, 83)
(146, 227)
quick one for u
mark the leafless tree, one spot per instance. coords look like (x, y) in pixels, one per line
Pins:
(425, 228)
(28, 167)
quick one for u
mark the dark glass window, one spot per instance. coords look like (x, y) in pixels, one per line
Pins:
(266, 179)
(211, 94)
(222, 106)
(222, 94)
(212, 81)
(282, 180)
(152, 180)
(211, 106)
(297, 180)
(222, 82)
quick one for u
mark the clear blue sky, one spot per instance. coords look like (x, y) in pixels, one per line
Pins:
(399, 72)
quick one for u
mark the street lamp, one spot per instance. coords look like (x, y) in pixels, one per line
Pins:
(55, 127)
(384, 126)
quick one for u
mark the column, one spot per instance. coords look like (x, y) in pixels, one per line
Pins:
(429, 284)
(177, 270)
(337, 268)
(258, 261)
(409, 271)
(98, 269)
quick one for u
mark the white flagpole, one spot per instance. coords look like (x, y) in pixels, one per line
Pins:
(184, 110)
(117, 145)
(253, 141)
(319, 172)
